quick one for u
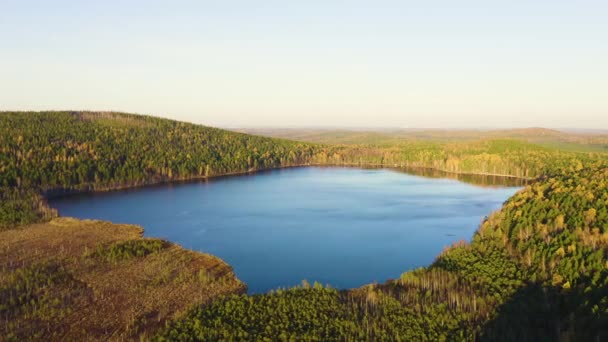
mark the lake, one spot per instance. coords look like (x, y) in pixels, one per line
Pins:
(345, 227)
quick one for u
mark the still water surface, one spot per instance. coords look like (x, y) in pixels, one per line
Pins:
(340, 226)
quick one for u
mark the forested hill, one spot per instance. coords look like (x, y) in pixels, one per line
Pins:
(108, 150)
(44, 152)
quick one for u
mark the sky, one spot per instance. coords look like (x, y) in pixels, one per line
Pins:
(313, 63)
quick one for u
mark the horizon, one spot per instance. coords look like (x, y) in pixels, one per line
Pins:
(377, 129)
(275, 64)
(388, 128)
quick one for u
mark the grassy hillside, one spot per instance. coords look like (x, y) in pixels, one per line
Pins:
(90, 280)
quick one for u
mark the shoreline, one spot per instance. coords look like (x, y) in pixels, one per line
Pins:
(90, 189)
(254, 172)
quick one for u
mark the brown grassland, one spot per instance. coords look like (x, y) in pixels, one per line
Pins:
(102, 281)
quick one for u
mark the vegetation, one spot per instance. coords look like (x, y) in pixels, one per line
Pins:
(558, 229)
(571, 141)
(19, 206)
(486, 157)
(315, 314)
(52, 153)
(129, 249)
(84, 150)
(92, 280)
(535, 270)
(22, 291)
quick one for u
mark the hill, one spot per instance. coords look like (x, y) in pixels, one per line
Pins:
(53, 153)
(558, 139)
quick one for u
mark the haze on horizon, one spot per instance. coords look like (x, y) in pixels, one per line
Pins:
(441, 64)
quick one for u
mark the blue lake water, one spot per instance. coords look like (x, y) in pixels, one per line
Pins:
(340, 226)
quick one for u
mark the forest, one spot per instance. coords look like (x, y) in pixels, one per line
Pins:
(536, 270)
(53, 153)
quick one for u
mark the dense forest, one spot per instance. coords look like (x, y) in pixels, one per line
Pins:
(55, 152)
(67, 150)
(535, 270)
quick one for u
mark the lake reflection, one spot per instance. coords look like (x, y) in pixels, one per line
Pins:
(340, 226)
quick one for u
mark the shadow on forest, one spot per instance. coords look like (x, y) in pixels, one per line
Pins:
(541, 313)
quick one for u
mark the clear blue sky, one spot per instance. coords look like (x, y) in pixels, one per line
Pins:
(312, 63)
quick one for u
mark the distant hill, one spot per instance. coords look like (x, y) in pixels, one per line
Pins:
(592, 141)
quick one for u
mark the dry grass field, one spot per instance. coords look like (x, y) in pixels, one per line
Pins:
(72, 279)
